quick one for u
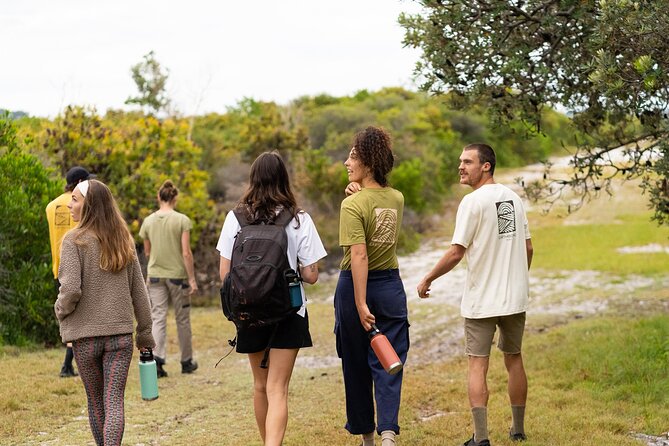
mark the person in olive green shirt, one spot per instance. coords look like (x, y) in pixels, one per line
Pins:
(370, 290)
(171, 275)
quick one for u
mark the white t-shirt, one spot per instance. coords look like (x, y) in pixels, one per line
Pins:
(304, 243)
(492, 225)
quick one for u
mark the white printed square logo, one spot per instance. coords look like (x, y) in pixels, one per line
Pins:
(506, 217)
(386, 227)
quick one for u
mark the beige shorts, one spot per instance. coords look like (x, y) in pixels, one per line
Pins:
(479, 334)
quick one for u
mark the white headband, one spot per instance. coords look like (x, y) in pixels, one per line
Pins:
(83, 187)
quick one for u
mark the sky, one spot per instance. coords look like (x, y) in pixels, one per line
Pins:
(56, 53)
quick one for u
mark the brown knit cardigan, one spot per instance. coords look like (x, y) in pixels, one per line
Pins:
(93, 302)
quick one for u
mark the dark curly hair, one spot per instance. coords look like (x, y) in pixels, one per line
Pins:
(373, 147)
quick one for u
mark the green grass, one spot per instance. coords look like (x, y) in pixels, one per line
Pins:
(594, 379)
(617, 362)
(594, 246)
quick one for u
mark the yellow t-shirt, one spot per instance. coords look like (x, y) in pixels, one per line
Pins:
(60, 221)
(373, 217)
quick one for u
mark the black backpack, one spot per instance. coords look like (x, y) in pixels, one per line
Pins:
(255, 291)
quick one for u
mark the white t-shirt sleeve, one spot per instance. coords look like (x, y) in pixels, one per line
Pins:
(466, 222)
(227, 239)
(309, 245)
(525, 223)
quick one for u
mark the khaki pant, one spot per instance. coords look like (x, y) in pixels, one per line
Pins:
(161, 291)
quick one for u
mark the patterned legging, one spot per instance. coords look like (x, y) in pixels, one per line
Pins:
(103, 364)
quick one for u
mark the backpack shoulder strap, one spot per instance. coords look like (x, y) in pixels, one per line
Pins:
(283, 218)
(241, 216)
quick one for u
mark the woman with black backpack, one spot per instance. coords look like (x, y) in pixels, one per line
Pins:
(266, 201)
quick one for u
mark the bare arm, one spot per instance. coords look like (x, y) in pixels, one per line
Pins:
(188, 260)
(224, 268)
(147, 248)
(449, 260)
(359, 271)
(530, 252)
(309, 273)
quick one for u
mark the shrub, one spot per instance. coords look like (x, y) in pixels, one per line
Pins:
(27, 288)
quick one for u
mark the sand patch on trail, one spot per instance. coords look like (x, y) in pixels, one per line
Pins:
(651, 248)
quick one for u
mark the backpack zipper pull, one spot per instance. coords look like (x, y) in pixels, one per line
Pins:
(242, 245)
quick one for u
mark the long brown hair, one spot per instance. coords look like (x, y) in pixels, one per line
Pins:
(101, 216)
(269, 188)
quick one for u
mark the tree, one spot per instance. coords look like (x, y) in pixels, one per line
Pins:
(151, 81)
(133, 154)
(605, 61)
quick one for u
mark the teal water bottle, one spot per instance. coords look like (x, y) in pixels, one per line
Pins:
(294, 288)
(295, 294)
(148, 375)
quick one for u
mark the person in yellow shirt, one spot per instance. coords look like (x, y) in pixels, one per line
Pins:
(60, 221)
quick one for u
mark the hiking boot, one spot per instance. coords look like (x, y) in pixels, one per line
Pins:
(188, 366)
(67, 371)
(472, 442)
(518, 436)
(159, 367)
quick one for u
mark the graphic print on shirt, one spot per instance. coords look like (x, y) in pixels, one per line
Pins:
(386, 227)
(506, 217)
(62, 216)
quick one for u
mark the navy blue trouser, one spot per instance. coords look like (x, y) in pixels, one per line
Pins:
(364, 377)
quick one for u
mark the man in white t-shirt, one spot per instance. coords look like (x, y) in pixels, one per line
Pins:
(491, 231)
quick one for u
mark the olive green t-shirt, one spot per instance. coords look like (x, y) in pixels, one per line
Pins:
(163, 230)
(372, 216)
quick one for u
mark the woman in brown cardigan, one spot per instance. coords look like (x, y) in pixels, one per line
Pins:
(101, 288)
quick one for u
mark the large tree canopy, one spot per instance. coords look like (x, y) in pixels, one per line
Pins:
(605, 61)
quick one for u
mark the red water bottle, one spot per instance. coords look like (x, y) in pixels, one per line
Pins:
(384, 351)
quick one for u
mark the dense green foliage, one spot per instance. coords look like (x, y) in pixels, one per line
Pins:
(208, 157)
(315, 133)
(604, 60)
(27, 288)
(133, 154)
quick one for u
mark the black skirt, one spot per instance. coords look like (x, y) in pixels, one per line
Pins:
(292, 332)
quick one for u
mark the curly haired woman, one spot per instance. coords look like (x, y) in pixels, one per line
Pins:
(370, 290)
